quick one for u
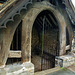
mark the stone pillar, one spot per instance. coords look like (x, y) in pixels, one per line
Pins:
(26, 42)
(63, 41)
(6, 36)
(73, 42)
(62, 35)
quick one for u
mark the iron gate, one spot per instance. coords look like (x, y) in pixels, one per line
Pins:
(47, 48)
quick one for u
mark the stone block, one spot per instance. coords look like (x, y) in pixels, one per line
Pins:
(65, 61)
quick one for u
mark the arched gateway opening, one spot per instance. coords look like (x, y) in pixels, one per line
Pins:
(45, 41)
(48, 33)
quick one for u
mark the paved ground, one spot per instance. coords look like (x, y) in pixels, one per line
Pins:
(72, 68)
(63, 72)
(58, 71)
(45, 72)
(67, 71)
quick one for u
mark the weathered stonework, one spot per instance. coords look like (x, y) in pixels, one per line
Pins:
(65, 61)
(73, 41)
(73, 45)
(28, 21)
(28, 18)
(18, 69)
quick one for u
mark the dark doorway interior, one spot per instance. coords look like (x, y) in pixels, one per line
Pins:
(2, 1)
(67, 37)
(67, 41)
(45, 41)
(16, 42)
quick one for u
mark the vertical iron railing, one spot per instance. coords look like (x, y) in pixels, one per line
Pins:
(42, 42)
(40, 0)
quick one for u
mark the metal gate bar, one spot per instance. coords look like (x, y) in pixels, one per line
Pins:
(42, 43)
(47, 59)
(47, 46)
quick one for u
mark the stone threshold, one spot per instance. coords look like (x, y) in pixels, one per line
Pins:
(65, 60)
(45, 72)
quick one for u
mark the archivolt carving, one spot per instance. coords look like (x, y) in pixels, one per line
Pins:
(70, 10)
(9, 16)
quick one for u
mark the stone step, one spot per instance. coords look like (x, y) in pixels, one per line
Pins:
(45, 72)
(65, 60)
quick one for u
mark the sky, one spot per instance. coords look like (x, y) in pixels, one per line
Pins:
(73, 1)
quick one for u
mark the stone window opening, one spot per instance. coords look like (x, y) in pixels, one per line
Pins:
(16, 45)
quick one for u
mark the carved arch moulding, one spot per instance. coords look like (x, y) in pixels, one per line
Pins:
(16, 10)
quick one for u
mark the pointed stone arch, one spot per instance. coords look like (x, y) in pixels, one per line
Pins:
(6, 39)
(27, 25)
(28, 22)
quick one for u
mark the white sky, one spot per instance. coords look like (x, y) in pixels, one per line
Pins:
(73, 1)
